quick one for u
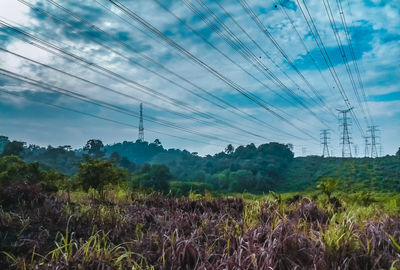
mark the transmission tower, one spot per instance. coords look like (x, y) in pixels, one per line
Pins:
(355, 150)
(345, 140)
(325, 142)
(366, 150)
(373, 133)
(141, 128)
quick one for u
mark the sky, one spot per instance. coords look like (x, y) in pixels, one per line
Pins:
(208, 72)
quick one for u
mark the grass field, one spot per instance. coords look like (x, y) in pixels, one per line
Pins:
(132, 230)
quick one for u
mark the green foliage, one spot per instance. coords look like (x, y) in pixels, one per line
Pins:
(365, 198)
(138, 152)
(178, 188)
(13, 148)
(328, 185)
(242, 181)
(14, 170)
(62, 158)
(3, 142)
(268, 167)
(355, 174)
(94, 148)
(97, 174)
(53, 180)
(229, 149)
(154, 177)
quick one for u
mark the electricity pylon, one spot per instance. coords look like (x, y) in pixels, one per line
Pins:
(141, 128)
(345, 140)
(325, 142)
(366, 150)
(373, 130)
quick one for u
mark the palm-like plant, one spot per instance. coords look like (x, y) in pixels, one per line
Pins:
(328, 185)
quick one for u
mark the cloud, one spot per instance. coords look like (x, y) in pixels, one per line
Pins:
(392, 96)
(373, 27)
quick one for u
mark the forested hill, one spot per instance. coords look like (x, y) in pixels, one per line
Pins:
(248, 168)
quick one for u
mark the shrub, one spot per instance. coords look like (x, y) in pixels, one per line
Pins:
(155, 177)
(97, 174)
(328, 185)
(14, 170)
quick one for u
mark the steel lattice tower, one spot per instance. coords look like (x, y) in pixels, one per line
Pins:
(141, 128)
(325, 142)
(366, 150)
(355, 150)
(345, 139)
(373, 130)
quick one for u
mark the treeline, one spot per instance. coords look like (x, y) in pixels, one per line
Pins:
(97, 175)
(268, 167)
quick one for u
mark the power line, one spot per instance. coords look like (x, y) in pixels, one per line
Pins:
(246, 53)
(149, 59)
(128, 96)
(103, 104)
(261, 49)
(267, 33)
(350, 43)
(321, 46)
(100, 117)
(343, 53)
(229, 82)
(218, 50)
(283, 10)
(131, 60)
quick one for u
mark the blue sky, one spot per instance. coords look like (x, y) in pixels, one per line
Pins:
(186, 105)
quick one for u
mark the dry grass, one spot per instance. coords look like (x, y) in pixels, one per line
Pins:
(151, 231)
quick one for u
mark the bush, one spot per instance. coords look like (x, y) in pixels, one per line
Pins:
(14, 170)
(155, 177)
(97, 174)
(328, 186)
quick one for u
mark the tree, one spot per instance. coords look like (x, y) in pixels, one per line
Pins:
(127, 164)
(242, 181)
(157, 142)
(398, 153)
(95, 148)
(3, 141)
(229, 149)
(97, 174)
(156, 177)
(66, 147)
(115, 157)
(13, 148)
(14, 170)
(328, 185)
